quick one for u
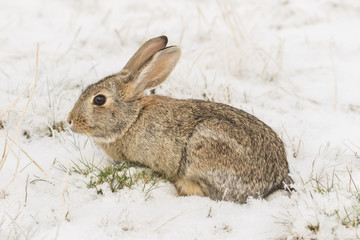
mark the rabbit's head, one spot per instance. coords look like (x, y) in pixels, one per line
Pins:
(107, 108)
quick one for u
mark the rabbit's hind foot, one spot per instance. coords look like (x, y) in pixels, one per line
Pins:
(185, 187)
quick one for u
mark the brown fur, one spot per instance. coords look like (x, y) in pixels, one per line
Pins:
(209, 149)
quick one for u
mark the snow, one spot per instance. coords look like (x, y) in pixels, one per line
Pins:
(292, 63)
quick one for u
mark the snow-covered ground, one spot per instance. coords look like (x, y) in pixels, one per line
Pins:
(295, 64)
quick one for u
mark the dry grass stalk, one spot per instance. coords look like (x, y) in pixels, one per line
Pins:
(298, 96)
(27, 155)
(8, 149)
(335, 79)
(295, 149)
(232, 20)
(26, 189)
(6, 111)
(176, 216)
(353, 148)
(70, 46)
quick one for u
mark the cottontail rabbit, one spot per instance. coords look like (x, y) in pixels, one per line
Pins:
(209, 149)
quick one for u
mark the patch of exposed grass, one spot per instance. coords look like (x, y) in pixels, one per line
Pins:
(124, 175)
(115, 177)
(347, 213)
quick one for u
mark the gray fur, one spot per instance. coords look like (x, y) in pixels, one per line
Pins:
(209, 149)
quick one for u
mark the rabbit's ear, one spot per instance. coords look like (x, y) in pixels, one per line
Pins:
(154, 71)
(144, 52)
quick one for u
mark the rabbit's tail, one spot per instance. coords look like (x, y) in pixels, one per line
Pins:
(288, 184)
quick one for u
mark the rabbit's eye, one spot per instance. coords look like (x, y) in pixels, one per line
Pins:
(99, 100)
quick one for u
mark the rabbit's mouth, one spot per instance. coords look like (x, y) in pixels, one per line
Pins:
(79, 125)
(87, 131)
(80, 130)
(77, 129)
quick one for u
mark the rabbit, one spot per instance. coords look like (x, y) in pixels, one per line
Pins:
(209, 149)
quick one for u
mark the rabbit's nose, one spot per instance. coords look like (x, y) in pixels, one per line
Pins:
(69, 120)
